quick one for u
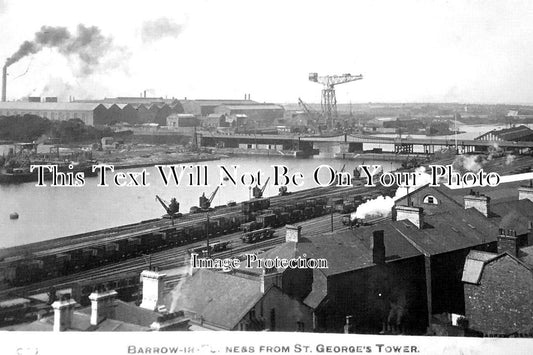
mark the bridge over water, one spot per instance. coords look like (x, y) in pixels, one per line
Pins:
(354, 143)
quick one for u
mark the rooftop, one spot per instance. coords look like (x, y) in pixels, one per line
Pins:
(48, 106)
(224, 300)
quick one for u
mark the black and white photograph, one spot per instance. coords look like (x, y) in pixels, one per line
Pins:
(332, 177)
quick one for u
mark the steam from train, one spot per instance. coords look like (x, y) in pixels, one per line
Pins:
(381, 206)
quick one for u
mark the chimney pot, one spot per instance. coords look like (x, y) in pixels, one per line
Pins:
(293, 233)
(479, 202)
(63, 310)
(153, 287)
(269, 278)
(525, 192)
(102, 306)
(413, 214)
(508, 241)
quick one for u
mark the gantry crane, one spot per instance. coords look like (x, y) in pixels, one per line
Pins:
(258, 191)
(329, 101)
(172, 208)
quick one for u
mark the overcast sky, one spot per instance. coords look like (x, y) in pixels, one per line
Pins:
(407, 51)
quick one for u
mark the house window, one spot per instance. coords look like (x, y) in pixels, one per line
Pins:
(431, 200)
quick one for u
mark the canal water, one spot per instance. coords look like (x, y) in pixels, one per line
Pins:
(51, 212)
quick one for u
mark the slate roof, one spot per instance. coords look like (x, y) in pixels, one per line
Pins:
(526, 255)
(451, 229)
(130, 313)
(514, 214)
(80, 322)
(218, 298)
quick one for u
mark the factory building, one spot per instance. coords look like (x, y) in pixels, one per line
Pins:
(260, 115)
(513, 134)
(206, 107)
(90, 113)
(182, 120)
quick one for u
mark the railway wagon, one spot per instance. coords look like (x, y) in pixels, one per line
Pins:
(133, 246)
(126, 285)
(111, 252)
(27, 272)
(63, 262)
(250, 226)
(311, 202)
(257, 235)
(170, 237)
(309, 212)
(289, 208)
(346, 207)
(150, 242)
(255, 204)
(215, 247)
(267, 220)
(297, 216)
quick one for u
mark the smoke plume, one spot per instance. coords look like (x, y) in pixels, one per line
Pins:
(88, 45)
(381, 206)
(160, 28)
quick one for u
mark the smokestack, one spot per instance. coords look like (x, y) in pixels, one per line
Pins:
(4, 83)
(145, 94)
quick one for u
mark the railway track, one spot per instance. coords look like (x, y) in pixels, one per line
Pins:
(168, 259)
(122, 232)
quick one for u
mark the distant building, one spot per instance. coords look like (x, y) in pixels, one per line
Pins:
(260, 114)
(182, 120)
(91, 114)
(514, 134)
(202, 108)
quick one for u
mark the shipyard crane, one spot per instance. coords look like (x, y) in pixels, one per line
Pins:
(258, 191)
(205, 202)
(329, 101)
(313, 115)
(172, 208)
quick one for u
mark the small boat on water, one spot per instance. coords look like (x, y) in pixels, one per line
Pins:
(23, 174)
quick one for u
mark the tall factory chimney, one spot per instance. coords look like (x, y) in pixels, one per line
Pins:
(4, 83)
